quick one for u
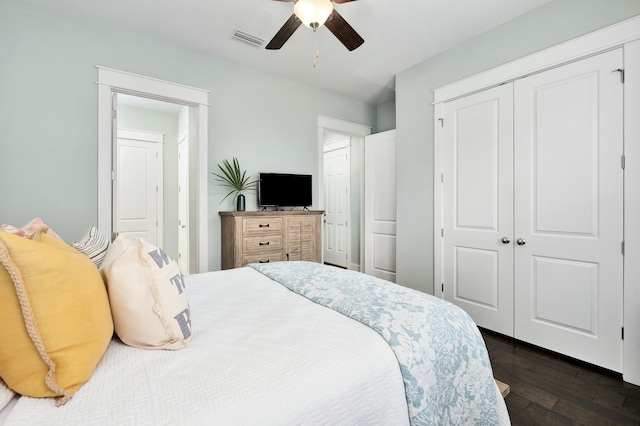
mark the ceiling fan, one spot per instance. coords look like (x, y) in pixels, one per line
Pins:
(315, 13)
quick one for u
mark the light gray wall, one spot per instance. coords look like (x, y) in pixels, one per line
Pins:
(135, 118)
(48, 115)
(551, 24)
(386, 114)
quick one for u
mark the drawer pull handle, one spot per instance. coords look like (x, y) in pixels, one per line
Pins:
(263, 226)
(264, 244)
(263, 261)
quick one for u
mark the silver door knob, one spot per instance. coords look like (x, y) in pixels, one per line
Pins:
(521, 241)
(505, 240)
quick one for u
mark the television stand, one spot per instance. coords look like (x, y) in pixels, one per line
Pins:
(270, 236)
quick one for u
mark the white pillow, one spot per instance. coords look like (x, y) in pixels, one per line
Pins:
(5, 394)
(94, 245)
(148, 299)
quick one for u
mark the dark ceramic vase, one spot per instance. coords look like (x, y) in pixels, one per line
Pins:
(240, 203)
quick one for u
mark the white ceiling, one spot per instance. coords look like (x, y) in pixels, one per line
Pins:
(398, 34)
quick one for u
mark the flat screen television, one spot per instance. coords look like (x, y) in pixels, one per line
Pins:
(284, 190)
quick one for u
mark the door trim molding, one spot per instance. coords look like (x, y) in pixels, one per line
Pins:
(610, 37)
(110, 81)
(631, 344)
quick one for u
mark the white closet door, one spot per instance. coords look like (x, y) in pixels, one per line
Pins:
(380, 205)
(183, 201)
(337, 194)
(569, 210)
(477, 206)
(139, 188)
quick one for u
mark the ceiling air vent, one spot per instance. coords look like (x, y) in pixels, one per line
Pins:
(248, 38)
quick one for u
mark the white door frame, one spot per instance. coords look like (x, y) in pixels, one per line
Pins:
(110, 81)
(349, 129)
(627, 34)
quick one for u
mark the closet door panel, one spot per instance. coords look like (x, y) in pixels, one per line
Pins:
(477, 206)
(568, 209)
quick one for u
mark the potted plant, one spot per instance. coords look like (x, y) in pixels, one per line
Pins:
(237, 179)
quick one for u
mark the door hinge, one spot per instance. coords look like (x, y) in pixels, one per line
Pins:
(622, 161)
(441, 120)
(622, 333)
(621, 71)
(442, 288)
(441, 177)
(623, 247)
(114, 175)
(114, 114)
(442, 232)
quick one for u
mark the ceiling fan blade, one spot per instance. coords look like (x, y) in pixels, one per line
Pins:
(284, 33)
(335, 1)
(343, 31)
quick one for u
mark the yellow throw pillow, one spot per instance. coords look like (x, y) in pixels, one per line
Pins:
(147, 295)
(55, 316)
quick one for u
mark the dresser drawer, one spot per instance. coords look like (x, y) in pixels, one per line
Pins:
(261, 225)
(261, 244)
(262, 258)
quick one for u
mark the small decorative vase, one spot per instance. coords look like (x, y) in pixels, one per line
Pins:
(240, 203)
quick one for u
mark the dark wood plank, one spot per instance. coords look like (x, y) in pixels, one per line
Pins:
(551, 389)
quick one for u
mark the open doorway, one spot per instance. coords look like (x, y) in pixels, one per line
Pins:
(342, 233)
(113, 83)
(153, 168)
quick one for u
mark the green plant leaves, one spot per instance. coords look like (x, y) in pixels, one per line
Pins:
(234, 177)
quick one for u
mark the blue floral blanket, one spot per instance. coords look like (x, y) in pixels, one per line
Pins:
(443, 359)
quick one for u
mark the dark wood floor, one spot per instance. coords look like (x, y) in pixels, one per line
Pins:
(549, 389)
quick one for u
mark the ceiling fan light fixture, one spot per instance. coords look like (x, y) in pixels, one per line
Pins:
(313, 13)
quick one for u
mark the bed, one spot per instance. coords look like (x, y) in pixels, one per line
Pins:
(292, 343)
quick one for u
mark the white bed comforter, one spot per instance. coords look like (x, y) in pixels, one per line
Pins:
(260, 355)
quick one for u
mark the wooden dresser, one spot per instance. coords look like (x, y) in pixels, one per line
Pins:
(270, 236)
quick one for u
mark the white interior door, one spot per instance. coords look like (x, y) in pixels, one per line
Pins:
(380, 205)
(569, 209)
(183, 201)
(138, 206)
(477, 188)
(337, 195)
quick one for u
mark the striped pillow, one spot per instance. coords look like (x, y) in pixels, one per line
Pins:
(94, 245)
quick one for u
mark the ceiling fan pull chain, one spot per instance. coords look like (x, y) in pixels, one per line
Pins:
(315, 46)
